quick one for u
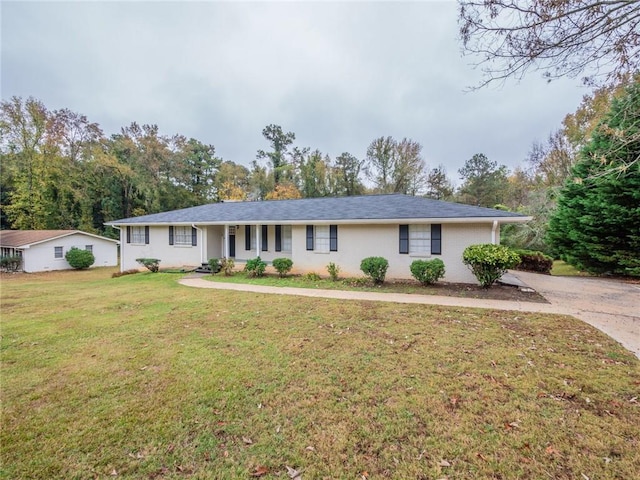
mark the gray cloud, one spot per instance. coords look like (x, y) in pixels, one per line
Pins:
(336, 74)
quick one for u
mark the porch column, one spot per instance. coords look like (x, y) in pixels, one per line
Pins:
(258, 232)
(226, 241)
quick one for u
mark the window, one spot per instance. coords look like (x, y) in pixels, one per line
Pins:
(322, 238)
(89, 248)
(286, 238)
(421, 239)
(181, 235)
(57, 252)
(139, 235)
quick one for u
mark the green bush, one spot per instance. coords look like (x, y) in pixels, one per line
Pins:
(255, 267)
(227, 265)
(334, 271)
(312, 277)
(79, 259)
(283, 266)
(152, 264)
(214, 265)
(375, 268)
(489, 262)
(532, 261)
(10, 263)
(427, 272)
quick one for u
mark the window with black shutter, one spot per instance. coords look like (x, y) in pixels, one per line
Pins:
(333, 238)
(278, 238)
(247, 237)
(264, 239)
(309, 237)
(194, 237)
(436, 239)
(404, 238)
(171, 235)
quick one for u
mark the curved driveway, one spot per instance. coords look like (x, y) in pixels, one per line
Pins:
(611, 306)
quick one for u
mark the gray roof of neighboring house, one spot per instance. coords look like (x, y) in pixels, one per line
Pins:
(325, 209)
(24, 238)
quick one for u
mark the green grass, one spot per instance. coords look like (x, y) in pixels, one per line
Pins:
(563, 269)
(141, 377)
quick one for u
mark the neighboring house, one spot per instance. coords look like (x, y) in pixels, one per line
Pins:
(316, 231)
(44, 250)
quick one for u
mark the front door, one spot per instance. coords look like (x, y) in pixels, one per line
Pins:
(232, 243)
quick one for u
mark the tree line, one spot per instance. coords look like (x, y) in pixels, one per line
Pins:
(60, 171)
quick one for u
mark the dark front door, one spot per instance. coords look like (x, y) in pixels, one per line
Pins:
(232, 245)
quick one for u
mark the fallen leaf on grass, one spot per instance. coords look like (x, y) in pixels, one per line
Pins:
(114, 473)
(444, 463)
(551, 451)
(294, 474)
(260, 471)
(247, 440)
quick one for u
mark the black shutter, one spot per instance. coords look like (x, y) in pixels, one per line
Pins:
(436, 239)
(128, 234)
(278, 238)
(171, 235)
(264, 239)
(333, 238)
(404, 238)
(146, 234)
(247, 237)
(194, 237)
(309, 237)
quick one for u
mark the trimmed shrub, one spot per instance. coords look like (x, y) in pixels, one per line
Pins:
(214, 265)
(334, 271)
(152, 264)
(375, 268)
(10, 263)
(532, 261)
(79, 259)
(283, 266)
(489, 262)
(427, 272)
(227, 265)
(255, 267)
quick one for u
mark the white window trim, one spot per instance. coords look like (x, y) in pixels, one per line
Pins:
(420, 233)
(285, 238)
(182, 236)
(137, 235)
(321, 239)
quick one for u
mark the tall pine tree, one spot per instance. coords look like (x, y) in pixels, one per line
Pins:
(596, 226)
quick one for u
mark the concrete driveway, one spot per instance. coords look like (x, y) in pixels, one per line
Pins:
(609, 305)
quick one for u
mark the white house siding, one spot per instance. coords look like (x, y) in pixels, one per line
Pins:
(356, 242)
(170, 256)
(214, 242)
(41, 257)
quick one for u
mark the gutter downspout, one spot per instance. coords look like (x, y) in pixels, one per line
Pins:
(494, 228)
(121, 247)
(202, 255)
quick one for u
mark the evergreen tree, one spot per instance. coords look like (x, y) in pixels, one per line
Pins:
(596, 226)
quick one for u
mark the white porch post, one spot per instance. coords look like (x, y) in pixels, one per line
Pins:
(258, 231)
(226, 241)
(493, 232)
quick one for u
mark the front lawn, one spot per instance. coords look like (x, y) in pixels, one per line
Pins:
(140, 377)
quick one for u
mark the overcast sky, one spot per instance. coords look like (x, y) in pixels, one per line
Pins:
(337, 74)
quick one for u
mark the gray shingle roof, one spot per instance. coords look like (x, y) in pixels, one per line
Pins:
(326, 209)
